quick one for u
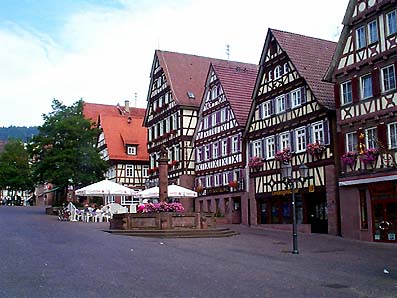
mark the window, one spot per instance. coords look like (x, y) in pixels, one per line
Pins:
(366, 87)
(257, 148)
(300, 139)
(286, 68)
(213, 120)
(371, 138)
(388, 78)
(214, 92)
(176, 152)
(215, 150)
(199, 153)
(175, 125)
(145, 171)
(392, 130)
(278, 72)
(225, 178)
(208, 181)
(235, 144)
(373, 32)
(216, 180)
(206, 122)
(391, 21)
(266, 109)
(129, 171)
(351, 141)
(131, 150)
(270, 148)
(360, 38)
(270, 75)
(346, 91)
(318, 132)
(223, 115)
(206, 152)
(296, 98)
(284, 140)
(280, 104)
(224, 147)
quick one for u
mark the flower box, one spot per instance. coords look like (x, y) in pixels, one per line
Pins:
(233, 184)
(284, 155)
(255, 162)
(349, 158)
(315, 149)
(369, 156)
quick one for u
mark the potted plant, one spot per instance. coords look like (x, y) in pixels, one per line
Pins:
(369, 156)
(349, 158)
(284, 155)
(233, 184)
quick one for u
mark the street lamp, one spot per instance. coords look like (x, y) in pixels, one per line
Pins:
(286, 174)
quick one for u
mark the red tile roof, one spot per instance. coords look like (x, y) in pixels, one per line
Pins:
(118, 132)
(188, 73)
(311, 57)
(238, 84)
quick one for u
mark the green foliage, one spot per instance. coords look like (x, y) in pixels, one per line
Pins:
(64, 150)
(15, 172)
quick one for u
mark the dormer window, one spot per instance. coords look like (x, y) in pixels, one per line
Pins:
(131, 150)
(278, 72)
(190, 95)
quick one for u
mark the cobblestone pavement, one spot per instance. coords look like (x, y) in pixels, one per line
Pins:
(43, 257)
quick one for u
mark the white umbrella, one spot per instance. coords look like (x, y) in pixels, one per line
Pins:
(105, 187)
(174, 191)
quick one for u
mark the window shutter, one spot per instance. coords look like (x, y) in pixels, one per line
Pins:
(337, 95)
(230, 176)
(239, 147)
(355, 90)
(218, 117)
(251, 150)
(287, 101)
(303, 94)
(309, 134)
(260, 110)
(229, 140)
(375, 82)
(210, 149)
(341, 143)
(263, 148)
(272, 106)
(326, 132)
(277, 142)
(209, 121)
(382, 135)
(212, 180)
(292, 140)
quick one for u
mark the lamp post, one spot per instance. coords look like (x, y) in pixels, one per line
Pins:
(286, 174)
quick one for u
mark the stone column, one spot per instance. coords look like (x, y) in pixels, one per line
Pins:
(163, 174)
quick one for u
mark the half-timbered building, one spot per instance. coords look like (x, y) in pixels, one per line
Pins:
(364, 72)
(220, 151)
(122, 142)
(290, 122)
(174, 97)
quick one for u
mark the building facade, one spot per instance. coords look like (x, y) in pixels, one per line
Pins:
(220, 163)
(291, 122)
(364, 72)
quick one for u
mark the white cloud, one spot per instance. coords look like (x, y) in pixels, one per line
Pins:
(105, 55)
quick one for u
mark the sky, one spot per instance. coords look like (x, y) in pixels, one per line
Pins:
(102, 51)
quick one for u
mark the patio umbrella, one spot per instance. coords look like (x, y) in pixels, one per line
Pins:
(174, 191)
(105, 187)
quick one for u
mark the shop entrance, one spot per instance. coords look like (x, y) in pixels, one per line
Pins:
(317, 212)
(385, 220)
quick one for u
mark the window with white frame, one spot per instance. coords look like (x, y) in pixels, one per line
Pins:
(167, 124)
(214, 92)
(388, 78)
(286, 67)
(257, 148)
(278, 72)
(373, 32)
(346, 92)
(131, 150)
(199, 154)
(234, 144)
(371, 138)
(215, 150)
(360, 37)
(270, 147)
(176, 152)
(296, 98)
(225, 176)
(280, 104)
(284, 140)
(318, 132)
(270, 77)
(213, 120)
(129, 171)
(266, 109)
(206, 152)
(175, 121)
(206, 122)
(366, 86)
(351, 141)
(223, 115)
(300, 139)
(392, 135)
(145, 171)
(216, 180)
(391, 21)
(208, 181)
(224, 147)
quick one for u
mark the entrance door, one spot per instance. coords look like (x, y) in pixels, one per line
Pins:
(385, 220)
(317, 213)
(236, 216)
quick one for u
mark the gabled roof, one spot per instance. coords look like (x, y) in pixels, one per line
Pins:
(238, 84)
(119, 133)
(311, 58)
(188, 73)
(121, 126)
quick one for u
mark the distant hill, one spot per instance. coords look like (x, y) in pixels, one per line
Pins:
(18, 132)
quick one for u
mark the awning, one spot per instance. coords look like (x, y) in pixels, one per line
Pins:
(367, 180)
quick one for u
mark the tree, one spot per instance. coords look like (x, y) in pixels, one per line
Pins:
(15, 172)
(63, 151)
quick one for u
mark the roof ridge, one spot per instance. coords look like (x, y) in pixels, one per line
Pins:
(302, 35)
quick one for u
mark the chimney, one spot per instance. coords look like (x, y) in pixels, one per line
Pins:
(127, 106)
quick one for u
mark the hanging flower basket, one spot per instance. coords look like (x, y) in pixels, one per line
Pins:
(233, 184)
(369, 156)
(315, 149)
(284, 155)
(349, 158)
(255, 162)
